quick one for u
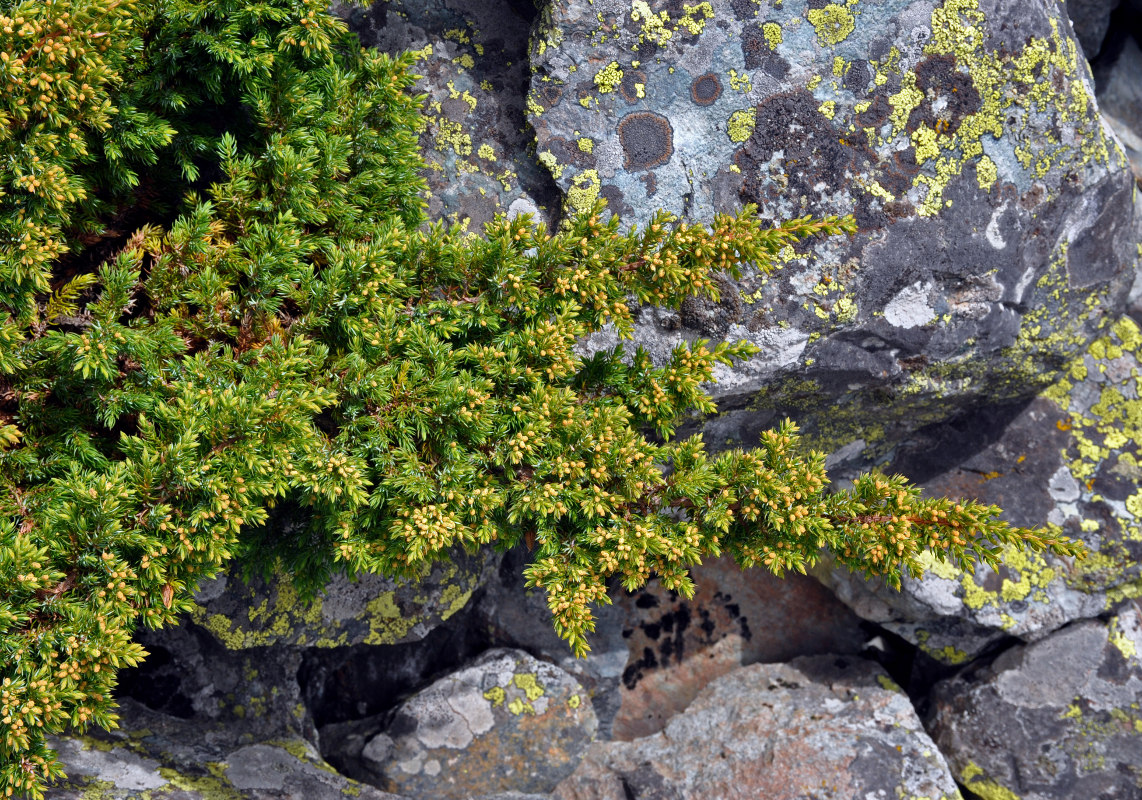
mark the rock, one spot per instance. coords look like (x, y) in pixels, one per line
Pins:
(507, 722)
(736, 617)
(994, 207)
(242, 696)
(1091, 19)
(371, 609)
(473, 61)
(156, 756)
(1071, 458)
(515, 616)
(819, 726)
(1061, 718)
(1121, 102)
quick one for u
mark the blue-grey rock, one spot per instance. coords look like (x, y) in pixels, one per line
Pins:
(1071, 459)
(995, 209)
(1055, 720)
(506, 722)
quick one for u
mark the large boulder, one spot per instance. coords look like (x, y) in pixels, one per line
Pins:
(156, 756)
(366, 608)
(1055, 720)
(994, 206)
(818, 726)
(736, 617)
(505, 722)
(1071, 458)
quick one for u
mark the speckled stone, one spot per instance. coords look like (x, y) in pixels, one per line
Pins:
(823, 727)
(736, 617)
(370, 609)
(506, 722)
(1055, 720)
(1073, 459)
(994, 207)
(472, 59)
(155, 756)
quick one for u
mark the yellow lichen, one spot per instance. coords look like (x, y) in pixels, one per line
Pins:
(582, 195)
(609, 77)
(833, 23)
(772, 33)
(741, 124)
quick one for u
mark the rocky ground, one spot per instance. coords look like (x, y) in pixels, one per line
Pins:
(980, 334)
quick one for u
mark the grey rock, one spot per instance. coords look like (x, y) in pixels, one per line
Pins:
(818, 726)
(1091, 19)
(507, 722)
(994, 207)
(369, 609)
(1121, 102)
(518, 617)
(473, 63)
(1071, 458)
(159, 757)
(1058, 719)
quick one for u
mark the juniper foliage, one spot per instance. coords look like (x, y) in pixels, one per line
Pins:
(218, 292)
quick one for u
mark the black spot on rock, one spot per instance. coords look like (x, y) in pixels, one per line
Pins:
(616, 203)
(744, 9)
(705, 89)
(814, 153)
(647, 140)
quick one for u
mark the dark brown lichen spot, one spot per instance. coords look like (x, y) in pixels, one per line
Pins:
(940, 81)
(857, 77)
(705, 89)
(629, 86)
(758, 55)
(647, 140)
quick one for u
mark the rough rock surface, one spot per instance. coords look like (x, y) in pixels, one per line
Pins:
(1058, 719)
(994, 208)
(505, 722)
(1121, 101)
(1091, 19)
(821, 726)
(475, 140)
(1071, 458)
(156, 756)
(371, 609)
(677, 646)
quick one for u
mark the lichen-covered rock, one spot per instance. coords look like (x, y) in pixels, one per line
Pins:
(1055, 720)
(473, 65)
(994, 208)
(155, 756)
(677, 646)
(1072, 458)
(518, 617)
(820, 726)
(371, 609)
(505, 722)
